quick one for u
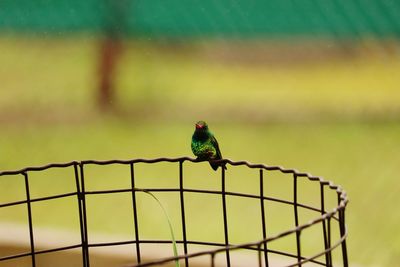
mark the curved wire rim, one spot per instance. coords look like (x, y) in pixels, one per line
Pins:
(327, 215)
(342, 193)
(240, 246)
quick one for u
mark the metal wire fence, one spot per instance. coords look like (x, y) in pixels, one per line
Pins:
(324, 220)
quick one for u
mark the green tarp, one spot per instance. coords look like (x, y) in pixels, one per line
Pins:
(193, 18)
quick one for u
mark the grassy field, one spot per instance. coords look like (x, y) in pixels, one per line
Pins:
(336, 119)
(159, 81)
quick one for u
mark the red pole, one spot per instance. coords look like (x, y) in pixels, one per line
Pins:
(109, 52)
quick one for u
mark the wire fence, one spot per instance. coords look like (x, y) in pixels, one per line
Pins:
(325, 219)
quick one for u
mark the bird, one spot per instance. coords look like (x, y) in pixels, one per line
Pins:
(205, 146)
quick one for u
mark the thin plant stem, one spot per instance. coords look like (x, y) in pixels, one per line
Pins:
(175, 250)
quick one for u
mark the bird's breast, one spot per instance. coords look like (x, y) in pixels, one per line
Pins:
(203, 150)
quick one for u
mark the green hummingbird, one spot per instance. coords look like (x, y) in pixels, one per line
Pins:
(205, 146)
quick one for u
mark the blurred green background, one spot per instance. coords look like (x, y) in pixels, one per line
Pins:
(312, 85)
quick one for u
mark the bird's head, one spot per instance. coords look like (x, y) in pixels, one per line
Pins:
(201, 126)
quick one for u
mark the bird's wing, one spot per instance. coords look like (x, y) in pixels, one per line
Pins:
(214, 142)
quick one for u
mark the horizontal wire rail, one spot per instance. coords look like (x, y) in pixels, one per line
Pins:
(260, 246)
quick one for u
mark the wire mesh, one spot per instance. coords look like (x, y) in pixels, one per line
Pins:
(323, 220)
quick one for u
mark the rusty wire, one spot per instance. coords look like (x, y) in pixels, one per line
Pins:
(261, 246)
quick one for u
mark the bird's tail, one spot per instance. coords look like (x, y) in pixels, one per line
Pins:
(215, 165)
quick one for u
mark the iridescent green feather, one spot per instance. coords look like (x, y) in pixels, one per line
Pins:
(204, 149)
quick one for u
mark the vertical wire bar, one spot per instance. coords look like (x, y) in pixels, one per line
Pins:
(329, 239)
(79, 197)
(342, 228)
(264, 225)
(328, 263)
(296, 217)
(135, 218)
(259, 255)
(28, 203)
(228, 260)
(185, 249)
(85, 229)
(212, 260)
